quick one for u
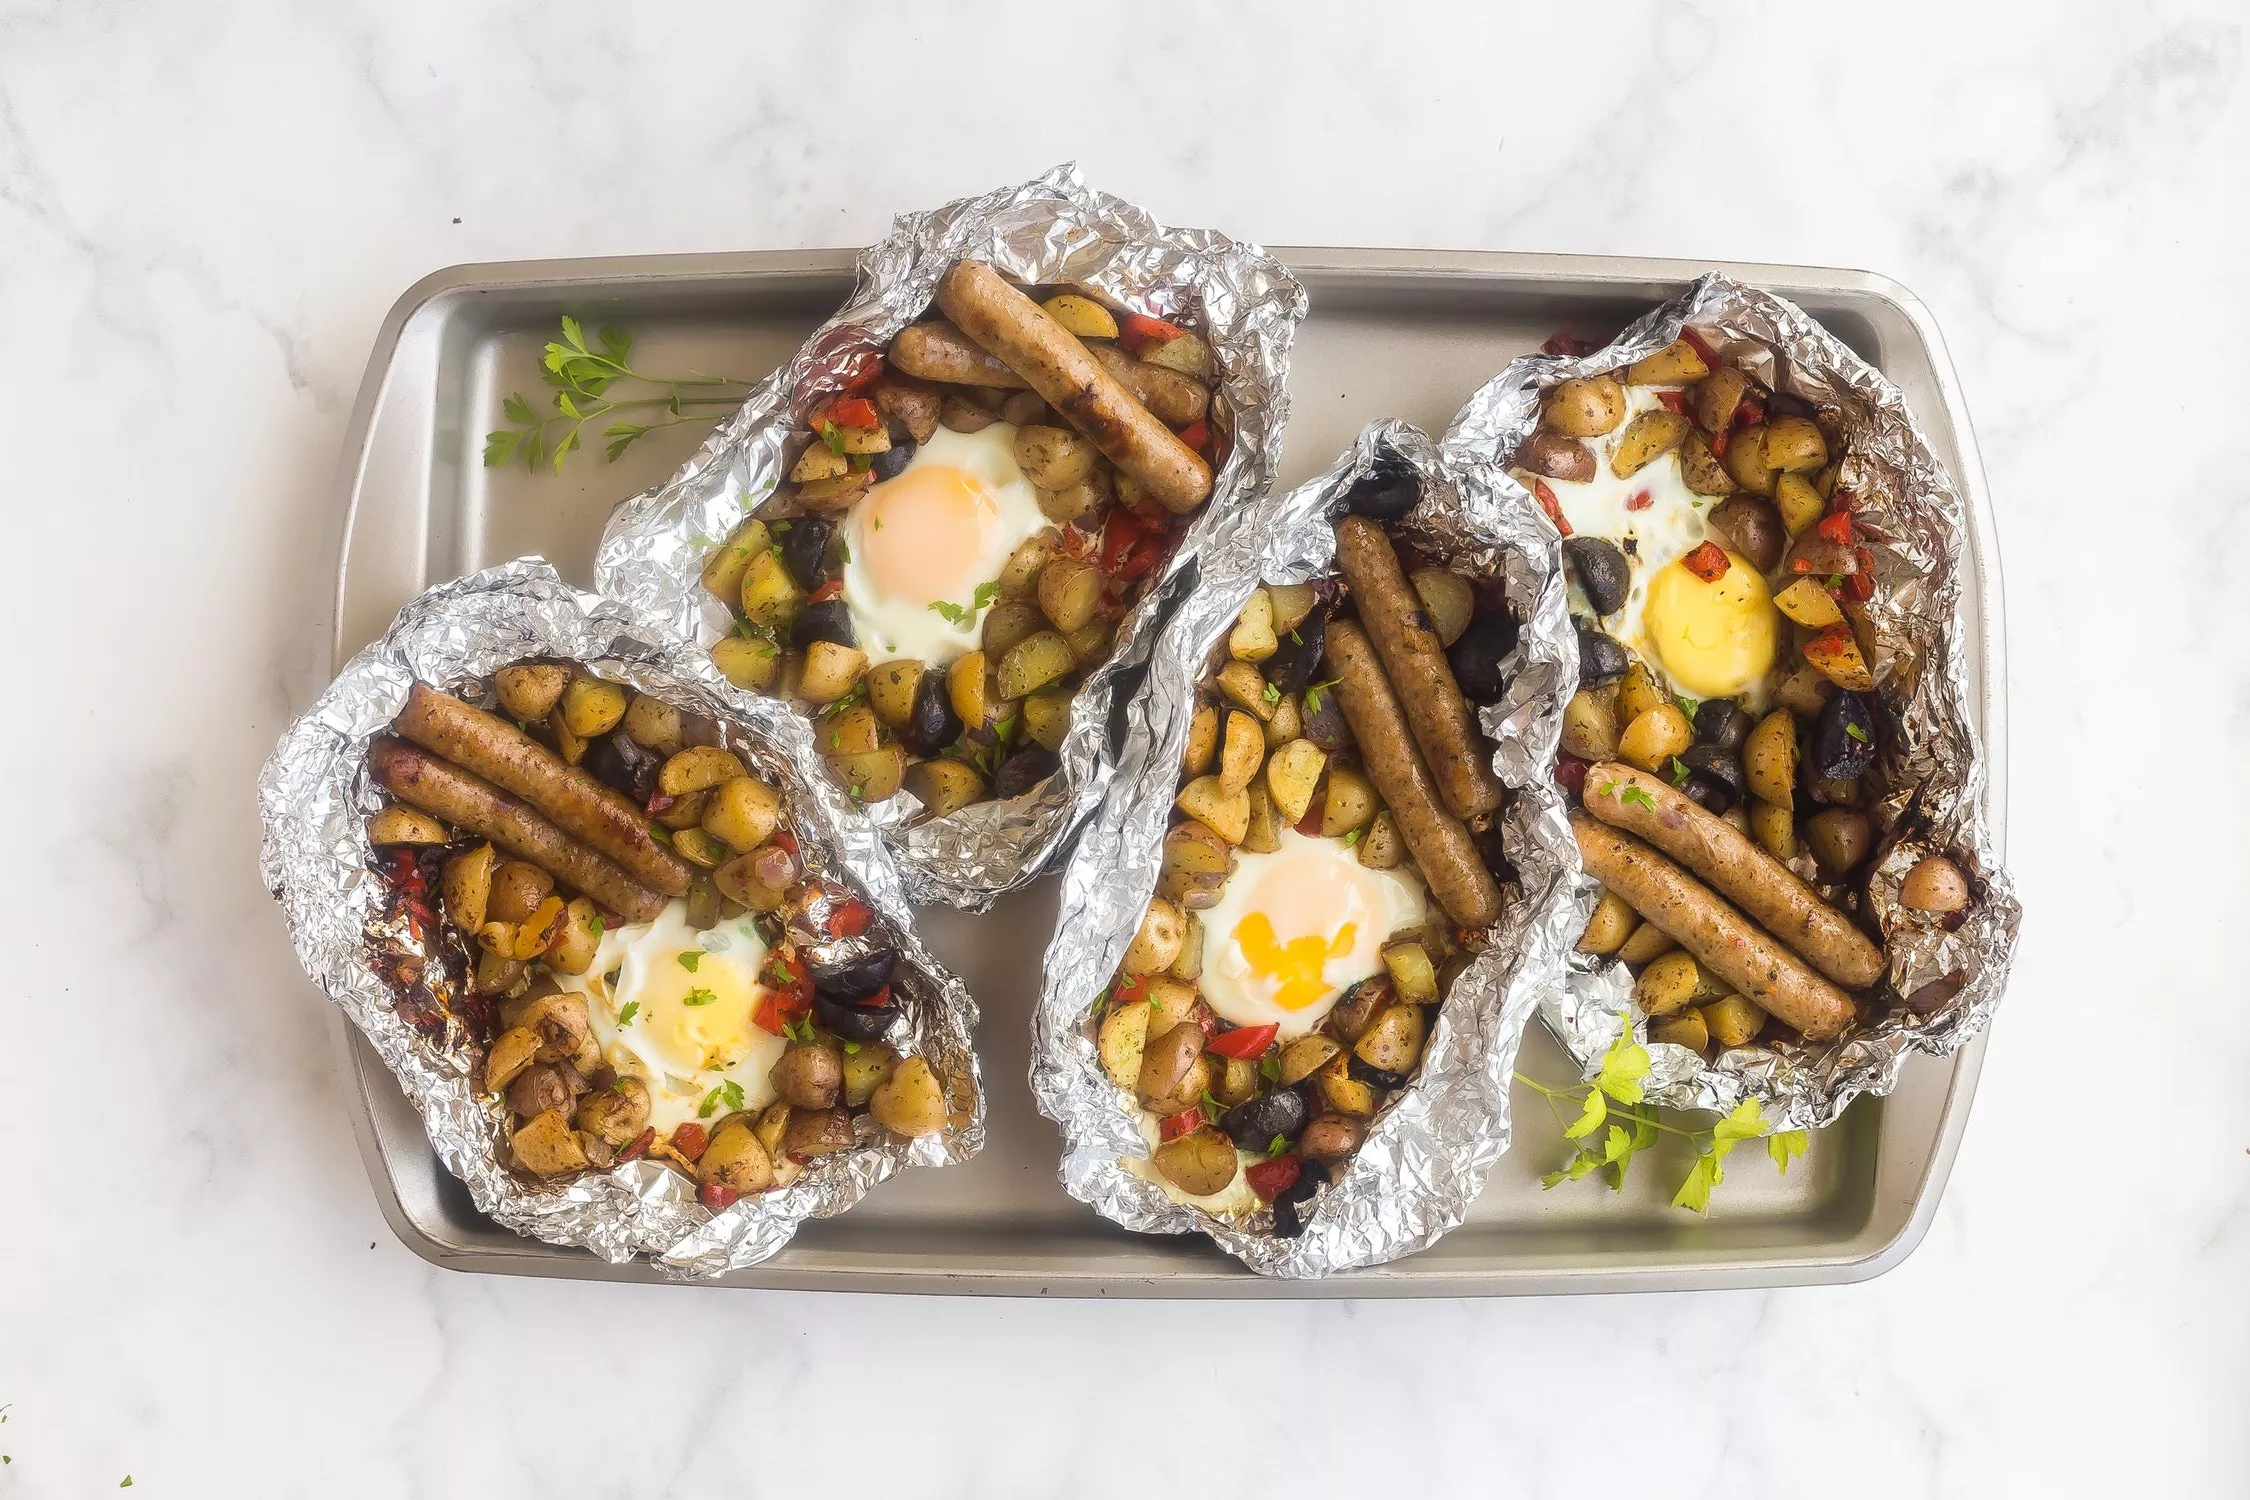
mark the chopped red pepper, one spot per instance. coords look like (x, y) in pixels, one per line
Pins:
(717, 1195)
(1570, 774)
(1859, 587)
(1697, 342)
(1129, 990)
(1639, 500)
(829, 590)
(849, 918)
(1837, 528)
(1270, 1179)
(1144, 557)
(1186, 1121)
(848, 411)
(1673, 400)
(1748, 413)
(784, 839)
(689, 1140)
(1151, 513)
(1244, 1042)
(1707, 562)
(1137, 331)
(869, 368)
(788, 993)
(1566, 346)
(639, 1148)
(660, 802)
(1121, 532)
(1552, 506)
(1196, 434)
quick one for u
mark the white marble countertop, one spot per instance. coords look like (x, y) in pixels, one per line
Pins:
(205, 211)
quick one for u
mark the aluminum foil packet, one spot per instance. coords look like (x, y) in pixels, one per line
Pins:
(1051, 229)
(1429, 1152)
(315, 793)
(1942, 985)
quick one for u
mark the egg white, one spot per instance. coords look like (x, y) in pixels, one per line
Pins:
(1335, 889)
(639, 967)
(892, 626)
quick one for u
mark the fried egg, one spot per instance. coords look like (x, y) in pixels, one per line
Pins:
(1714, 639)
(920, 546)
(1295, 928)
(676, 1008)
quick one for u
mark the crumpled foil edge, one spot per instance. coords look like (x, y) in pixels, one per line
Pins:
(1053, 228)
(1430, 1151)
(314, 794)
(1918, 530)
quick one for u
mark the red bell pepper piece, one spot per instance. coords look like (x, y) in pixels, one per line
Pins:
(788, 994)
(1748, 413)
(640, 1145)
(783, 838)
(1570, 774)
(1244, 1042)
(1197, 434)
(848, 411)
(1707, 562)
(1137, 331)
(1673, 400)
(1121, 532)
(1837, 527)
(1270, 1179)
(1639, 500)
(828, 590)
(689, 1140)
(1186, 1120)
(717, 1195)
(849, 918)
(1859, 587)
(868, 369)
(1549, 504)
(1697, 342)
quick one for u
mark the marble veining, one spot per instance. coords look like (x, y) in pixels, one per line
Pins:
(204, 213)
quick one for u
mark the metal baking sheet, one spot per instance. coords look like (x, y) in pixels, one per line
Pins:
(1392, 333)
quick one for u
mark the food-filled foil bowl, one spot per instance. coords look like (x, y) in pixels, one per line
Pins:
(315, 794)
(1942, 979)
(1429, 1150)
(1053, 229)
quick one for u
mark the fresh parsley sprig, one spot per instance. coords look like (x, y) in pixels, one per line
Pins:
(1612, 1096)
(586, 381)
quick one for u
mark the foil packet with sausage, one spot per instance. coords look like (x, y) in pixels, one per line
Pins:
(367, 928)
(1857, 803)
(1012, 745)
(1409, 1114)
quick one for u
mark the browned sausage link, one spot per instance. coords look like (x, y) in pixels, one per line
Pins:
(1175, 398)
(938, 351)
(1744, 873)
(1045, 353)
(1438, 841)
(1415, 659)
(504, 755)
(1722, 939)
(420, 779)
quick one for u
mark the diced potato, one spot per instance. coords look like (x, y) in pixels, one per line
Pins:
(1686, 1029)
(831, 671)
(1241, 684)
(1343, 1093)
(1799, 503)
(1188, 963)
(1648, 941)
(964, 681)
(827, 496)
(1351, 802)
(865, 1071)
(1670, 983)
(1195, 865)
(1701, 470)
(1611, 924)
(547, 1145)
(653, 723)
(1836, 655)
(1638, 692)
(1263, 836)
(747, 661)
(1655, 737)
(404, 825)
(724, 568)
(700, 848)
(1242, 751)
(569, 745)
(1589, 727)
(1305, 1056)
(1225, 813)
(1120, 1041)
(1382, 847)
(1053, 457)
(517, 889)
(592, 707)
(466, 884)
(1647, 438)
(1075, 501)
(1293, 775)
(1252, 638)
(846, 731)
(1804, 691)
(698, 767)
(1291, 602)
(529, 693)
(1412, 973)
(944, 785)
(1794, 445)
(862, 441)
(512, 1051)
(891, 688)
(1769, 759)
(1089, 643)
(908, 403)
(911, 1101)
(1775, 829)
(685, 812)
(1746, 460)
(1448, 599)
(1170, 1002)
(1070, 589)
(1935, 884)
(1033, 662)
(1716, 397)
(875, 776)
(1157, 942)
(1009, 621)
(1733, 1021)
(1806, 602)
(1187, 354)
(1082, 316)
(770, 597)
(742, 812)
(1046, 717)
(818, 461)
(1019, 575)
(1677, 363)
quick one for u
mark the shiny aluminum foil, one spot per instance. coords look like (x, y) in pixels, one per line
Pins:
(313, 799)
(1429, 1153)
(1942, 986)
(1051, 229)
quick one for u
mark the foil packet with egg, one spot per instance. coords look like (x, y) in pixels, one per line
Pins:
(314, 797)
(1429, 1151)
(1053, 229)
(1942, 983)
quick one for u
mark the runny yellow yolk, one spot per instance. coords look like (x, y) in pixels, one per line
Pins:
(1716, 639)
(926, 534)
(1296, 969)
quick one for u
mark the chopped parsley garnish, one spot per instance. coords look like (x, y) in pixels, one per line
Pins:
(595, 926)
(1278, 1146)
(700, 996)
(625, 1016)
(1273, 694)
(1680, 771)
(1353, 837)
(1856, 733)
(843, 554)
(833, 436)
(799, 1030)
(691, 959)
(709, 1107)
(1313, 692)
(1635, 794)
(948, 611)
(1270, 1068)
(732, 1093)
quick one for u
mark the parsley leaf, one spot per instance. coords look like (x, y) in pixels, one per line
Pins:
(1278, 1146)
(1635, 794)
(1270, 1068)
(1273, 694)
(625, 1016)
(948, 611)
(595, 926)
(1623, 1067)
(1680, 771)
(691, 959)
(1354, 837)
(732, 1093)
(843, 554)
(833, 436)
(709, 1107)
(985, 594)
(1313, 692)
(699, 996)
(1856, 732)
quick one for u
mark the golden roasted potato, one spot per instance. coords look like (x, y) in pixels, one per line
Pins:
(1700, 470)
(685, 812)
(1677, 363)
(572, 951)
(1074, 501)
(1839, 838)
(1798, 502)
(735, 1158)
(1585, 407)
(529, 692)
(466, 886)
(1746, 460)
(1648, 941)
(1382, 847)
(701, 849)
(1188, 963)
(865, 1072)
(1196, 864)
(1053, 457)
(1287, 723)
(770, 596)
(616, 1114)
(1651, 740)
(571, 747)
(1187, 354)
(1670, 983)
(1343, 1093)
(592, 707)
(846, 731)
(1290, 602)
(517, 890)
(742, 812)
(546, 1145)
(696, 768)
(1717, 397)
(1202, 741)
(1033, 662)
(1393, 1040)
(1350, 802)
(1263, 834)
(1775, 829)
(1157, 943)
(1549, 453)
(1207, 800)
(1769, 759)
(1200, 1163)
(944, 785)
(1253, 638)
(809, 1075)
(1935, 884)
(1413, 976)
(911, 1101)
(1082, 316)
(1009, 621)
(723, 570)
(891, 688)
(1171, 1002)
(653, 723)
(512, 1051)
(1046, 717)
(831, 671)
(1647, 438)
(1168, 1060)
(874, 776)
(1732, 1020)
(1242, 751)
(1612, 922)
(820, 1132)
(1589, 727)
(817, 462)
(747, 662)
(1331, 1138)
(404, 825)
(1448, 599)
(1120, 1041)
(1307, 1055)
(828, 496)
(964, 682)
(1070, 589)
(1807, 603)
(1836, 656)
(1241, 684)
(1637, 692)
(1683, 1030)
(1089, 643)
(1793, 445)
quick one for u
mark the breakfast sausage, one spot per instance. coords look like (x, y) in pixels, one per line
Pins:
(1741, 871)
(1415, 659)
(1724, 941)
(1438, 841)
(1075, 384)
(504, 755)
(938, 351)
(1175, 398)
(420, 779)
